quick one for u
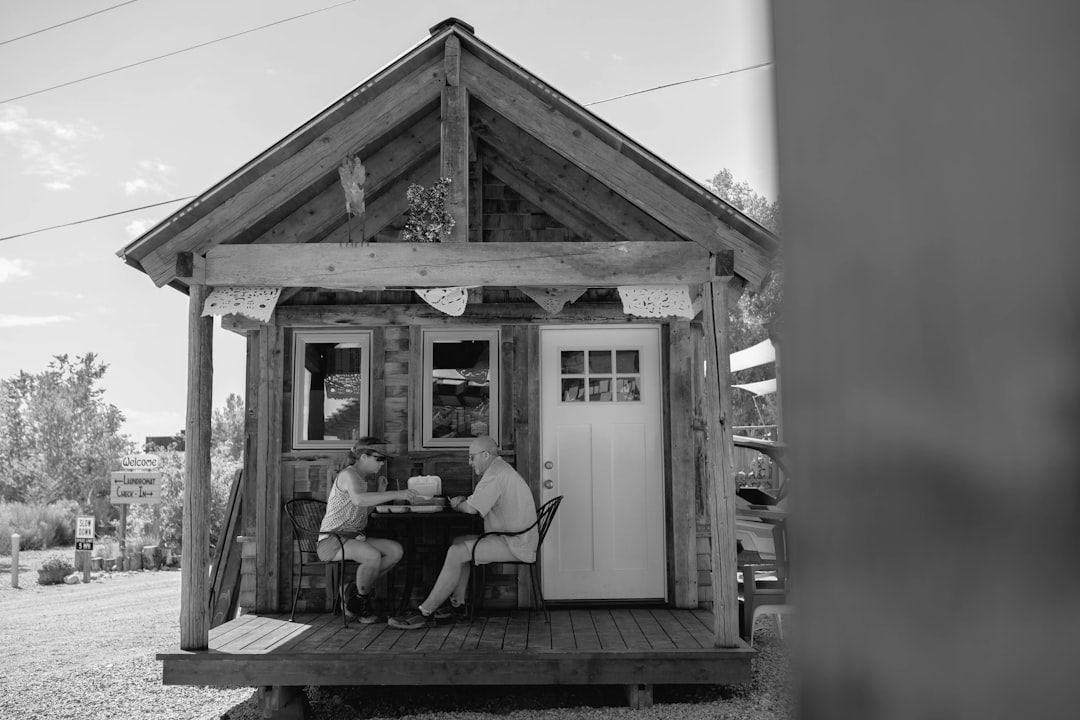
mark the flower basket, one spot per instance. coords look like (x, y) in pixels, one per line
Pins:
(51, 577)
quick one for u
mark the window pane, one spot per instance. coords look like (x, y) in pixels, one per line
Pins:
(573, 362)
(626, 361)
(629, 390)
(600, 390)
(461, 388)
(333, 390)
(600, 361)
(573, 390)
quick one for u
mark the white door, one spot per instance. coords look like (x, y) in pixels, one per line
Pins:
(602, 451)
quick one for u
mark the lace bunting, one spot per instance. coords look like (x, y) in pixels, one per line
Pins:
(553, 299)
(448, 300)
(656, 300)
(254, 302)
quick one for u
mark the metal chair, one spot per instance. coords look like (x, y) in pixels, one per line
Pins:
(306, 516)
(544, 515)
(767, 594)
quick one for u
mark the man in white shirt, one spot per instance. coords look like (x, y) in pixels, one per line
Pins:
(506, 504)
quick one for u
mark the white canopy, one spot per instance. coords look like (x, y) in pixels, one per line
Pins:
(764, 387)
(759, 354)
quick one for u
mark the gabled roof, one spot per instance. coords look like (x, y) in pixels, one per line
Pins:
(596, 181)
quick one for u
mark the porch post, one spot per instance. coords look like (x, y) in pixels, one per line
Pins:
(720, 474)
(195, 553)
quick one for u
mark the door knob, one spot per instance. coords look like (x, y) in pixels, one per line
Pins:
(549, 484)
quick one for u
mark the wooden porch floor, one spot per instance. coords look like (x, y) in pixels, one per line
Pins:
(641, 646)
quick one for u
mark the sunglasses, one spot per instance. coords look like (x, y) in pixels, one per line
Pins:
(376, 456)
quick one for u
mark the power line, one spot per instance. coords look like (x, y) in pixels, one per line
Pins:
(176, 52)
(66, 22)
(681, 82)
(99, 217)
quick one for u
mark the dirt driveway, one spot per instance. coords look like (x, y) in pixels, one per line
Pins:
(87, 650)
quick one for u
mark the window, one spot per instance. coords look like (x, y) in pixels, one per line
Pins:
(331, 386)
(461, 386)
(600, 376)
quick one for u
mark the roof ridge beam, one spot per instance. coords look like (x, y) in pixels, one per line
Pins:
(454, 162)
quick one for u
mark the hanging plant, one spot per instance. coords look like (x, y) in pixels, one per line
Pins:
(427, 219)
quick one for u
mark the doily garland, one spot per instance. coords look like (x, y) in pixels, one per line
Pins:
(552, 299)
(256, 303)
(451, 300)
(655, 301)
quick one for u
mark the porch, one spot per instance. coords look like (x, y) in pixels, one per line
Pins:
(633, 647)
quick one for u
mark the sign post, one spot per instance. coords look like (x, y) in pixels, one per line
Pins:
(136, 485)
(84, 544)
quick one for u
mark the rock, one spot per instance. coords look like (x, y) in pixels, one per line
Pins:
(72, 579)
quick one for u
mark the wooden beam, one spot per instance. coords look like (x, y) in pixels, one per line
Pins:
(195, 552)
(680, 404)
(455, 264)
(268, 491)
(191, 268)
(719, 470)
(455, 141)
(267, 192)
(577, 144)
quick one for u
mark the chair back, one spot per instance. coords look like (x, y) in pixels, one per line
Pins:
(545, 515)
(306, 516)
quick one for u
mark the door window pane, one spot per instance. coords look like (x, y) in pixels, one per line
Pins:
(606, 381)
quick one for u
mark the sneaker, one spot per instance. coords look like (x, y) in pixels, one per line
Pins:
(362, 608)
(412, 620)
(453, 613)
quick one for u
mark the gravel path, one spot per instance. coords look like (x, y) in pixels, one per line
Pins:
(87, 651)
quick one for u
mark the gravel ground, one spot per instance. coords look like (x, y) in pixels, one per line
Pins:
(87, 651)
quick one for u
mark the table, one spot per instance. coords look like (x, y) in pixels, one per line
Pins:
(408, 526)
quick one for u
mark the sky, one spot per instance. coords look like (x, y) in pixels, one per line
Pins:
(174, 127)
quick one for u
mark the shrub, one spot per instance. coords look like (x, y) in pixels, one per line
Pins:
(39, 526)
(58, 563)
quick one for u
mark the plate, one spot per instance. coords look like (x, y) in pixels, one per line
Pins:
(397, 508)
(426, 508)
(382, 508)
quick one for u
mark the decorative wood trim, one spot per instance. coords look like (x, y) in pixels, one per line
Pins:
(683, 475)
(425, 265)
(719, 468)
(455, 141)
(195, 553)
(320, 157)
(577, 144)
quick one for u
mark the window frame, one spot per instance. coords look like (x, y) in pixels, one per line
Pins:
(300, 394)
(428, 337)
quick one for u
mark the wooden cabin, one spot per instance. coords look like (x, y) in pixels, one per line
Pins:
(569, 313)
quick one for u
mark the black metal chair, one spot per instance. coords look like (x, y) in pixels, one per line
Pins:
(544, 515)
(306, 515)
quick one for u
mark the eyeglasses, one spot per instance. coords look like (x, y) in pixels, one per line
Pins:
(473, 455)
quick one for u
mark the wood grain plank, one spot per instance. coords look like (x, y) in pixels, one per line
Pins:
(516, 637)
(585, 636)
(651, 629)
(675, 630)
(562, 631)
(629, 629)
(455, 141)
(494, 633)
(607, 630)
(591, 264)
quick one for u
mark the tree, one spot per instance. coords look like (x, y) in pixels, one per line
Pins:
(58, 437)
(227, 428)
(757, 314)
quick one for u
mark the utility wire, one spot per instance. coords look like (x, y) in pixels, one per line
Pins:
(99, 217)
(66, 22)
(176, 52)
(166, 202)
(681, 82)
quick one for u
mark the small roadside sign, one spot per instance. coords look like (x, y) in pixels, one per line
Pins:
(84, 544)
(135, 488)
(142, 463)
(84, 528)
